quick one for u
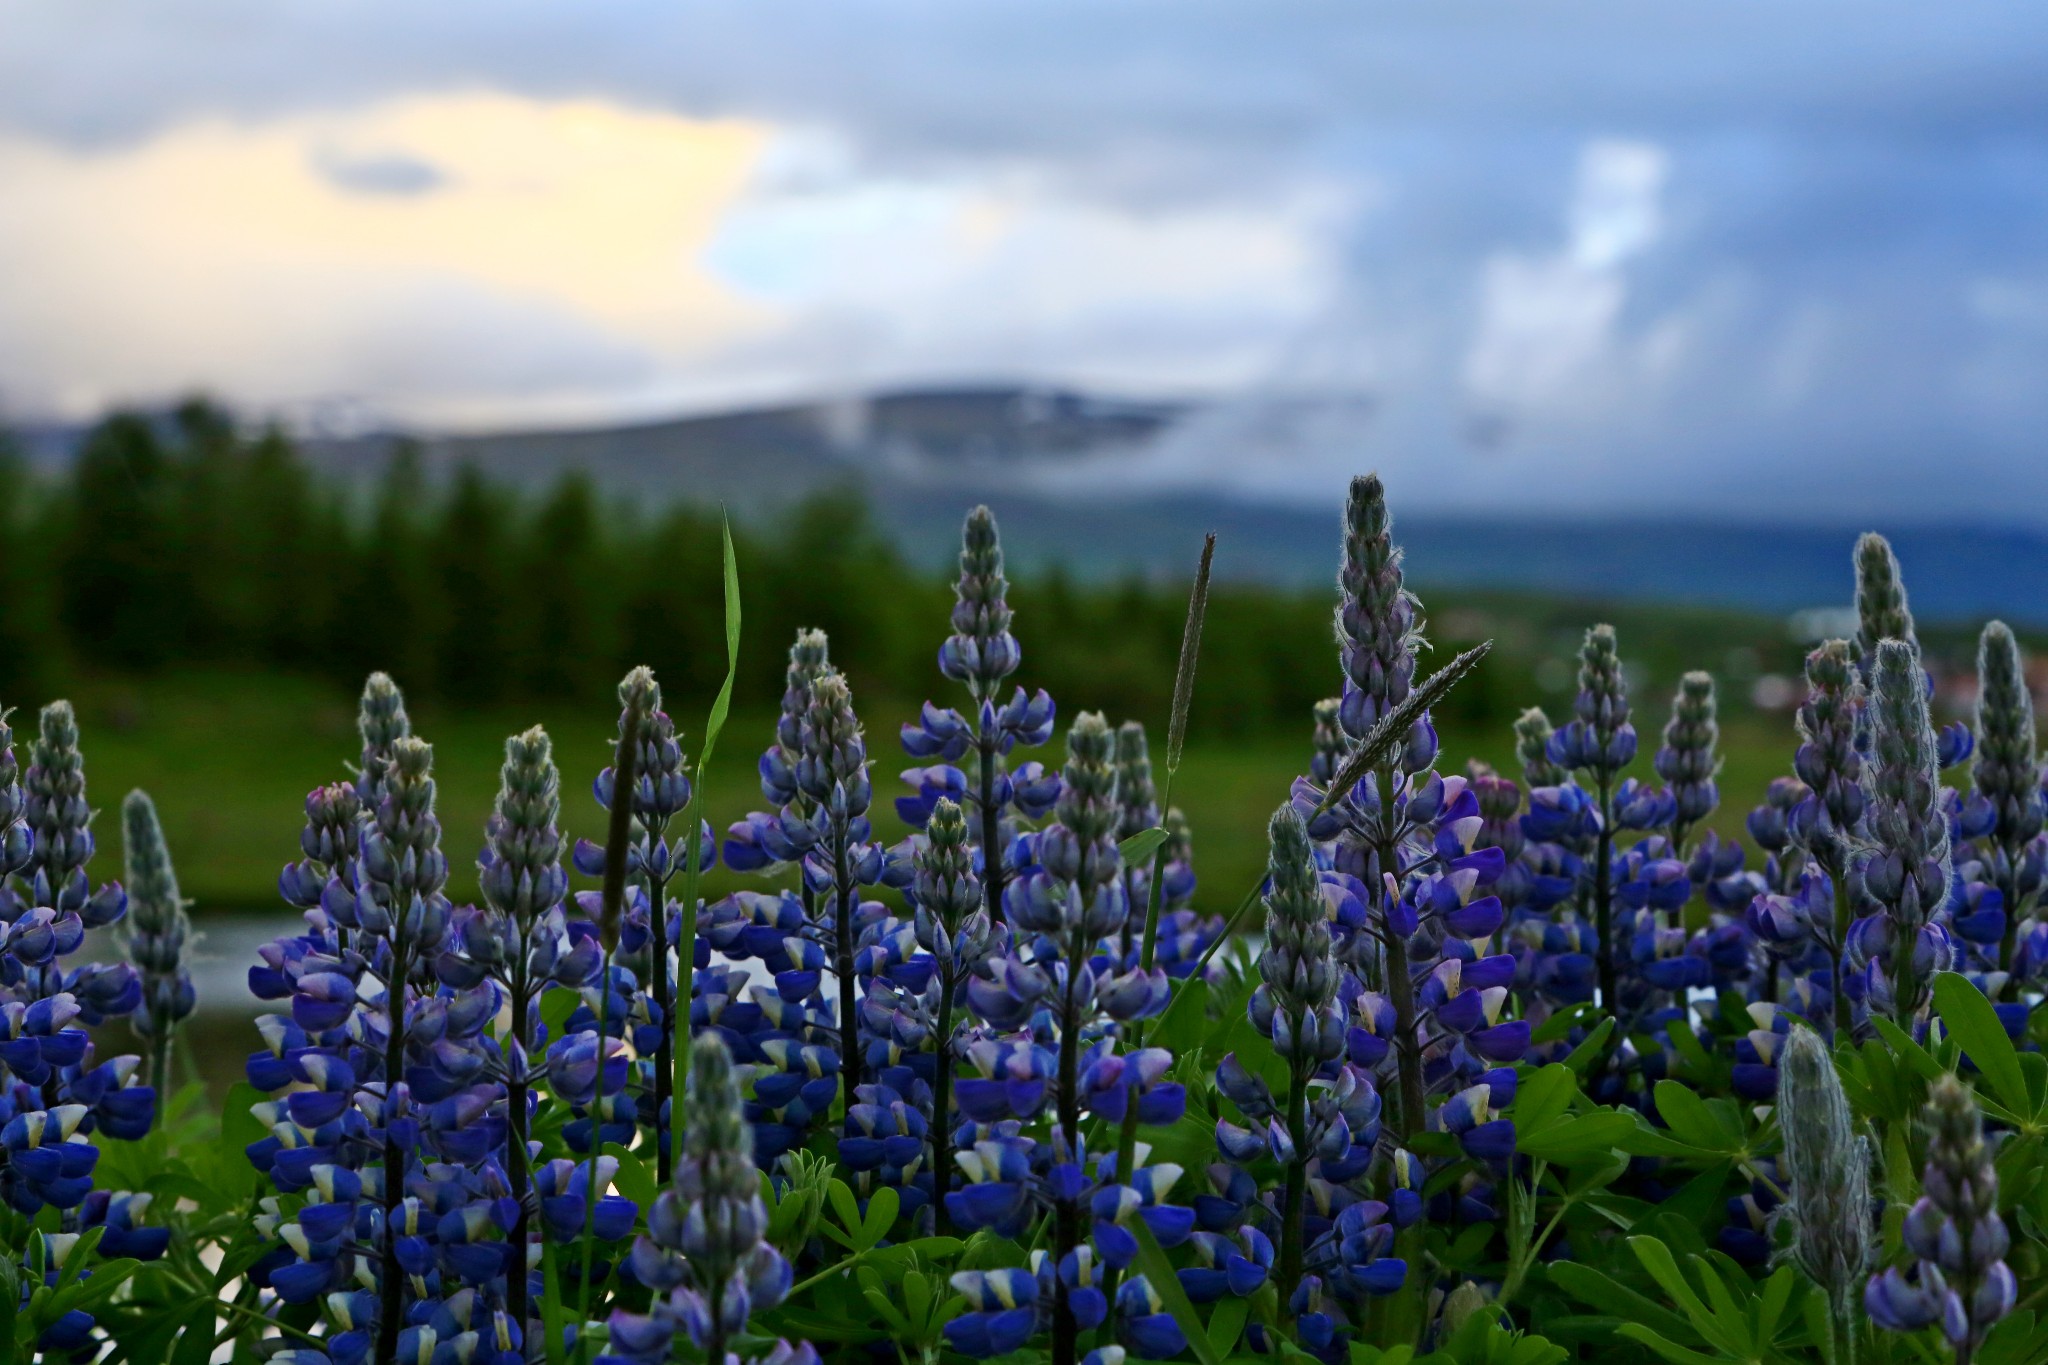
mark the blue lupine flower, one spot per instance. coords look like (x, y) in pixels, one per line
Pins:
(1959, 1277)
(661, 791)
(704, 1254)
(981, 654)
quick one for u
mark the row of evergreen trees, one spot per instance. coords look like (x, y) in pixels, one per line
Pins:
(182, 540)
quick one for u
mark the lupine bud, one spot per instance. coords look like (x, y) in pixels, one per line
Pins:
(1297, 965)
(1829, 761)
(1379, 622)
(833, 769)
(809, 660)
(158, 929)
(1328, 741)
(981, 652)
(1532, 745)
(1137, 808)
(1687, 761)
(946, 890)
(382, 722)
(1881, 611)
(2007, 771)
(1598, 739)
(56, 810)
(1961, 1280)
(521, 875)
(1827, 1170)
(1907, 872)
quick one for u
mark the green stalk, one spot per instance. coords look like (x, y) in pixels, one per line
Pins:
(1296, 1190)
(617, 837)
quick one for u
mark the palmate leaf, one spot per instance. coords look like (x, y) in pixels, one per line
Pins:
(1392, 731)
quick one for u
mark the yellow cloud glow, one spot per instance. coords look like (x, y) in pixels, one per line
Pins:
(220, 248)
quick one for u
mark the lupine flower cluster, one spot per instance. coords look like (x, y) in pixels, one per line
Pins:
(1958, 1278)
(1488, 1022)
(57, 1099)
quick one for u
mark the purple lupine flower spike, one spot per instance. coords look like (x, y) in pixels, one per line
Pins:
(1906, 871)
(1599, 741)
(57, 1104)
(159, 931)
(2007, 775)
(1687, 760)
(1959, 1278)
(982, 653)
(705, 1254)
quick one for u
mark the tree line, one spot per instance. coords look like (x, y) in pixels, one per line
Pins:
(181, 540)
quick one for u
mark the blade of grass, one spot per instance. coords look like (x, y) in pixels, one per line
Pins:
(686, 933)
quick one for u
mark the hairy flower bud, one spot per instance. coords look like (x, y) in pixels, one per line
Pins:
(1532, 745)
(382, 722)
(1881, 611)
(1907, 872)
(1828, 820)
(56, 810)
(2007, 771)
(1827, 1170)
(158, 928)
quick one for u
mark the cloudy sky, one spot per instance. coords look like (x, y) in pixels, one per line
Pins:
(1698, 257)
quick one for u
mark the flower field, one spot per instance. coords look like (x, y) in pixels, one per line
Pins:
(1508, 1064)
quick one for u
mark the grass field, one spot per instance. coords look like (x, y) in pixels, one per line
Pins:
(230, 757)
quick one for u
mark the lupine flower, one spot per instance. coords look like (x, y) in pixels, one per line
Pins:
(661, 791)
(54, 1101)
(757, 841)
(704, 1254)
(1599, 741)
(1959, 1278)
(519, 940)
(1067, 897)
(953, 926)
(2007, 773)
(1687, 761)
(158, 931)
(833, 773)
(1907, 871)
(1299, 976)
(1826, 1166)
(981, 654)
(1379, 624)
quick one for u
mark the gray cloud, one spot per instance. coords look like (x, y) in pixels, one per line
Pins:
(1845, 297)
(378, 173)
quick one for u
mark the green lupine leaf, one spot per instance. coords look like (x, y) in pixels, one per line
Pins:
(1970, 1019)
